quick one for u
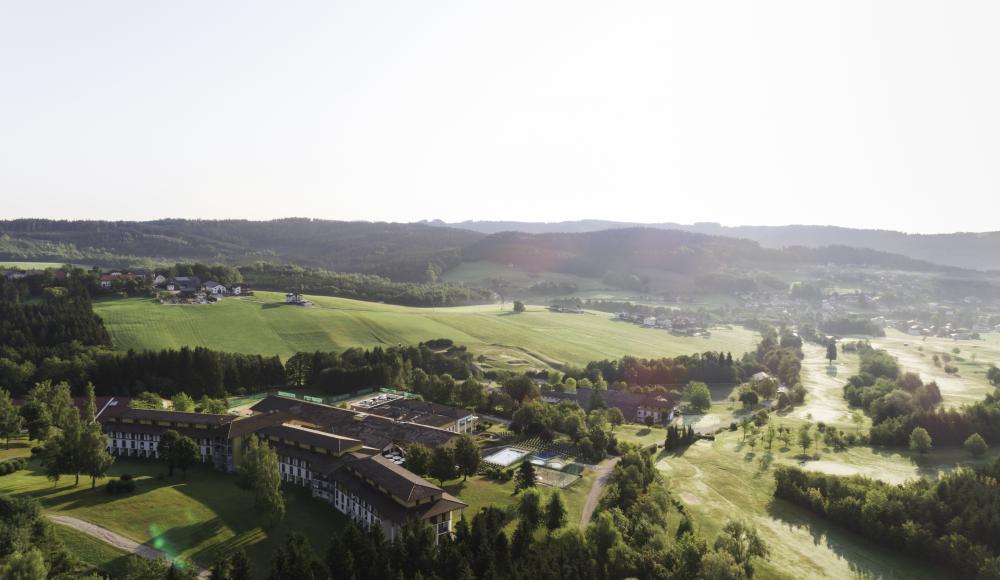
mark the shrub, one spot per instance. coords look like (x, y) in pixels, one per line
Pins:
(121, 485)
(12, 465)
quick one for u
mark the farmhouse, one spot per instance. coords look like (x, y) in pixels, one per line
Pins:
(348, 471)
(454, 419)
(215, 288)
(184, 284)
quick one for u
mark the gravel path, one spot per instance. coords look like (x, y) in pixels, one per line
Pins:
(603, 474)
(114, 539)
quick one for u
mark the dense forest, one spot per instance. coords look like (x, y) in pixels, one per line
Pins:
(955, 519)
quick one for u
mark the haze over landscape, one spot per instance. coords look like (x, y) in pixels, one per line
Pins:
(530, 290)
(857, 114)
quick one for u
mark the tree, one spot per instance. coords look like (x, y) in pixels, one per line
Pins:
(525, 477)
(37, 419)
(235, 566)
(418, 458)
(186, 453)
(555, 512)
(749, 398)
(29, 565)
(10, 420)
(165, 449)
(769, 435)
(183, 403)
(442, 467)
(95, 460)
(976, 445)
(214, 406)
(742, 543)
(785, 434)
(519, 307)
(858, 419)
(529, 508)
(146, 400)
(831, 351)
(615, 417)
(470, 393)
(259, 471)
(296, 560)
(697, 396)
(805, 437)
(920, 440)
(467, 456)
(993, 375)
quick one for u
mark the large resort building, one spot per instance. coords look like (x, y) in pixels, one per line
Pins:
(351, 460)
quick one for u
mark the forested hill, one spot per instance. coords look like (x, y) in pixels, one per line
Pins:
(978, 251)
(410, 252)
(404, 252)
(618, 250)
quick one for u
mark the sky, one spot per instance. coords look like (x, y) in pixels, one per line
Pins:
(855, 113)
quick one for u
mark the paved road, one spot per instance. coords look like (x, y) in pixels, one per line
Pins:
(114, 539)
(603, 474)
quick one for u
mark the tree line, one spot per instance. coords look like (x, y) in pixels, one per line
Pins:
(954, 520)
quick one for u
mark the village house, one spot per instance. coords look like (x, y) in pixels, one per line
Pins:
(214, 288)
(184, 284)
(351, 460)
(240, 290)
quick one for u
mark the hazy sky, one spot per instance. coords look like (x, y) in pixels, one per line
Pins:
(871, 114)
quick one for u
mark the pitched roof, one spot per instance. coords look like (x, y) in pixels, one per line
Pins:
(314, 437)
(372, 430)
(397, 480)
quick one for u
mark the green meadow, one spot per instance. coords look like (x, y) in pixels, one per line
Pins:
(194, 518)
(264, 324)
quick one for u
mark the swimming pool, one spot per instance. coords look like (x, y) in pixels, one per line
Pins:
(505, 456)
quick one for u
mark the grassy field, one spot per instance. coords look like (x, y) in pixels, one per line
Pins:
(194, 519)
(31, 265)
(723, 479)
(265, 325)
(19, 447)
(916, 354)
(95, 554)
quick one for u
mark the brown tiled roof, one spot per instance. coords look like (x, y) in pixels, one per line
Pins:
(387, 507)
(400, 482)
(300, 434)
(180, 416)
(247, 425)
(372, 430)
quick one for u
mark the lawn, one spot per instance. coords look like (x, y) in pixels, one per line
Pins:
(975, 356)
(96, 555)
(640, 434)
(31, 265)
(194, 519)
(19, 447)
(263, 324)
(479, 492)
(723, 479)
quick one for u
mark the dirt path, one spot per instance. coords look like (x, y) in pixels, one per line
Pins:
(603, 474)
(115, 539)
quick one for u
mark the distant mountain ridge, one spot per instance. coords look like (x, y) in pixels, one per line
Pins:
(415, 252)
(978, 251)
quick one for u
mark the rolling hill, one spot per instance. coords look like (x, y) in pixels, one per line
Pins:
(978, 251)
(265, 325)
